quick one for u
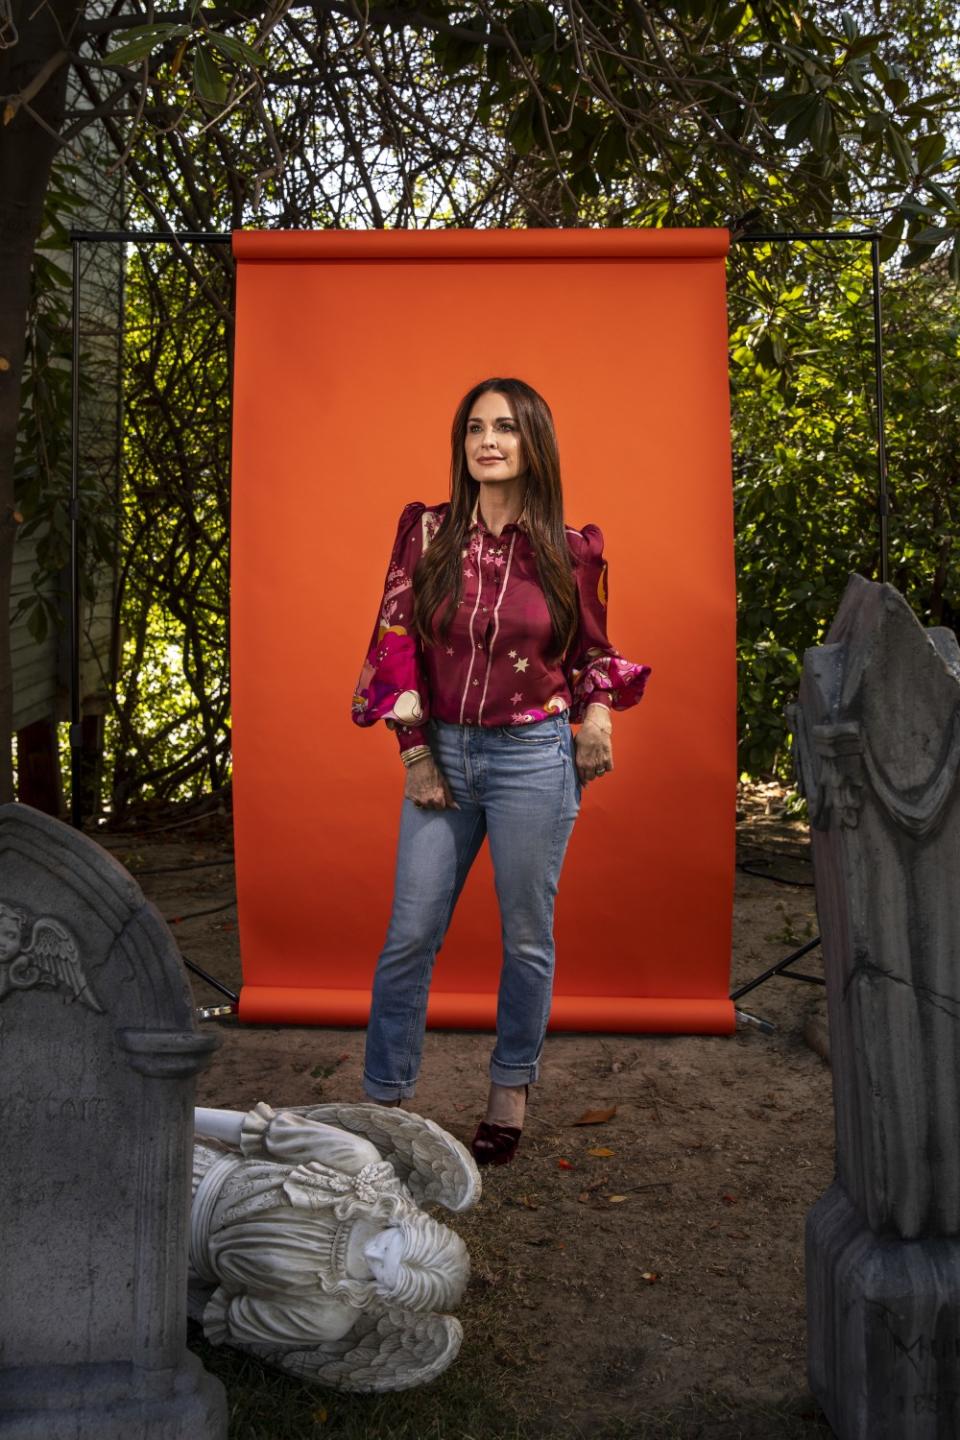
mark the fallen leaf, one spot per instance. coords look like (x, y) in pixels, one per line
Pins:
(729, 1199)
(650, 1276)
(616, 1199)
(601, 1152)
(319, 1417)
(565, 1164)
(530, 1202)
(596, 1117)
(584, 1197)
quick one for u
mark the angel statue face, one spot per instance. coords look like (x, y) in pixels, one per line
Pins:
(383, 1255)
(11, 932)
(418, 1264)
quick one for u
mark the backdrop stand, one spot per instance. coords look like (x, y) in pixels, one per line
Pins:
(152, 237)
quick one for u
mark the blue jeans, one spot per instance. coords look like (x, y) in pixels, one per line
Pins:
(518, 785)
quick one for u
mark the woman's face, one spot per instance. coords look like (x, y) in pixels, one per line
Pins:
(492, 442)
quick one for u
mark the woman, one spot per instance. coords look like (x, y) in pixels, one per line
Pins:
(491, 640)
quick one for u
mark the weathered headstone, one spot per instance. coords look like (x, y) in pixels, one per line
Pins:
(98, 1054)
(877, 732)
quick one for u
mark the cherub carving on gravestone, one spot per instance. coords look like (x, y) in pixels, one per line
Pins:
(49, 957)
(309, 1247)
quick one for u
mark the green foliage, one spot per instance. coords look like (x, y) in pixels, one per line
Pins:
(723, 108)
(680, 112)
(536, 113)
(168, 731)
(805, 491)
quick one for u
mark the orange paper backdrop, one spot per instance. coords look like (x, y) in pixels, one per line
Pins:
(352, 351)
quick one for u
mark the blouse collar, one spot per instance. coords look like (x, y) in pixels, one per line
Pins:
(521, 519)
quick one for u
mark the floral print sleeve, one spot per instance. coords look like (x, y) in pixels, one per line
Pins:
(596, 672)
(392, 685)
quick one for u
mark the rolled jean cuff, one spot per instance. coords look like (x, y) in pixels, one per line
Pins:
(514, 1074)
(384, 1090)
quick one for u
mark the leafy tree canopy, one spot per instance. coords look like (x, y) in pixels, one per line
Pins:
(424, 111)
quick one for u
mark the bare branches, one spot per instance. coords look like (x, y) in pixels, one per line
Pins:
(14, 102)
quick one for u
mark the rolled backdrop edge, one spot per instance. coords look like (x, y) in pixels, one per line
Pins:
(627, 1014)
(428, 246)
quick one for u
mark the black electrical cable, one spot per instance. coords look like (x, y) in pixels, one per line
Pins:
(215, 984)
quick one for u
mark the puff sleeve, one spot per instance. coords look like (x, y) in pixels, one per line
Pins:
(392, 684)
(596, 672)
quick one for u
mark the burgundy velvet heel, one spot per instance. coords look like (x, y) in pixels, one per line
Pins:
(496, 1144)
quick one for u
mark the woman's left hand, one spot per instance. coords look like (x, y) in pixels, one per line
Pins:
(594, 747)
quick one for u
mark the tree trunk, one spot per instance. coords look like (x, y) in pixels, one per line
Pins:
(27, 149)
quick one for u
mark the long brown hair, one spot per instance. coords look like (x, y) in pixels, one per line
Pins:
(438, 579)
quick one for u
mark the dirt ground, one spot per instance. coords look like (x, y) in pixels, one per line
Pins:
(649, 1262)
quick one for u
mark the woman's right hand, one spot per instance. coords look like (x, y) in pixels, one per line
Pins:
(427, 787)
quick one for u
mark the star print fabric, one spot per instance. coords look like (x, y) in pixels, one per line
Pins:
(493, 668)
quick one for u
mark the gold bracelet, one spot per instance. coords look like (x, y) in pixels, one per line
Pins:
(415, 753)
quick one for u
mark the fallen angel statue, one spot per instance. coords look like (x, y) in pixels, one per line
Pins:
(309, 1247)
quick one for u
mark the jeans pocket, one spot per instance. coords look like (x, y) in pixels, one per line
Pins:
(538, 732)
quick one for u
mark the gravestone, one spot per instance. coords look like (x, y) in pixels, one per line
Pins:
(98, 1054)
(877, 743)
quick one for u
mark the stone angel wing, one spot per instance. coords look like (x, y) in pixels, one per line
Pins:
(383, 1350)
(393, 1350)
(436, 1168)
(52, 958)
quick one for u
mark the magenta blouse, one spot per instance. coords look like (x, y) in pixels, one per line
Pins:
(493, 667)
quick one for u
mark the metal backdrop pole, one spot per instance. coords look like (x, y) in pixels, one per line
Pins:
(781, 968)
(878, 391)
(76, 753)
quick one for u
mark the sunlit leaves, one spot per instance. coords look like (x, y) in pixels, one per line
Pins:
(806, 461)
(141, 40)
(726, 99)
(154, 43)
(209, 82)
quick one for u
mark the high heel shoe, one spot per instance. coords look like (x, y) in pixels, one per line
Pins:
(495, 1144)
